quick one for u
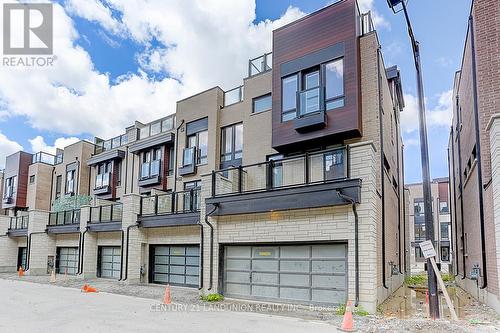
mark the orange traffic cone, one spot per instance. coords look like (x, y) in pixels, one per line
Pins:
(85, 287)
(20, 272)
(166, 298)
(347, 323)
(91, 290)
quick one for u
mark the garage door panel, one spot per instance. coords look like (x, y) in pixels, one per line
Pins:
(68, 260)
(176, 264)
(265, 265)
(110, 262)
(304, 273)
(328, 266)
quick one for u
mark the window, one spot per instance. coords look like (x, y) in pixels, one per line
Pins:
(419, 232)
(199, 141)
(334, 77)
(58, 186)
(334, 165)
(10, 187)
(32, 179)
(150, 163)
(232, 145)
(171, 158)
(444, 231)
(262, 103)
(310, 96)
(193, 196)
(289, 97)
(443, 207)
(103, 175)
(118, 169)
(70, 182)
(418, 252)
(445, 253)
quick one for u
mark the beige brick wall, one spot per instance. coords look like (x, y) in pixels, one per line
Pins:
(8, 247)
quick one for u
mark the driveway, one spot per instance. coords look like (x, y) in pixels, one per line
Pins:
(32, 307)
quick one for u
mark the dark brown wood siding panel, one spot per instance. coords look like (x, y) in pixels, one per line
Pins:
(332, 25)
(164, 167)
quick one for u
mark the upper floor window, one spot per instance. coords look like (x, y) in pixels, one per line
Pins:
(10, 187)
(32, 179)
(103, 175)
(443, 207)
(262, 103)
(199, 141)
(191, 196)
(313, 90)
(232, 144)
(444, 231)
(70, 182)
(150, 163)
(58, 186)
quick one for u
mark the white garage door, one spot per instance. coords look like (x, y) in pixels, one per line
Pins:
(109, 262)
(303, 273)
(67, 258)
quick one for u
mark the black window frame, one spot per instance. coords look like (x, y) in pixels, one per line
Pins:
(153, 156)
(269, 95)
(58, 186)
(66, 185)
(233, 160)
(200, 159)
(32, 179)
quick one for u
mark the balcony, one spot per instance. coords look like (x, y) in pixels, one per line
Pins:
(260, 64)
(42, 157)
(18, 226)
(110, 144)
(63, 222)
(233, 96)
(8, 199)
(150, 173)
(188, 162)
(157, 127)
(306, 181)
(170, 209)
(102, 183)
(106, 218)
(311, 110)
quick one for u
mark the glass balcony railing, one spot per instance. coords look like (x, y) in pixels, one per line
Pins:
(157, 127)
(66, 217)
(233, 96)
(310, 101)
(102, 180)
(19, 222)
(260, 64)
(111, 143)
(188, 156)
(187, 201)
(307, 169)
(150, 169)
(42, 157)
(106, 213)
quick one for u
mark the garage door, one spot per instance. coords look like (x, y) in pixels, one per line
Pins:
(303, 273)
(109, 262)
(177, 265)
(67, 260)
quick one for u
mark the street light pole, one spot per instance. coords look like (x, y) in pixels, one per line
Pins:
(424, 152)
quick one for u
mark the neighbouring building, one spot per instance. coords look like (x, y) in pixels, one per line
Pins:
(287, 188)
(442, 224)
(474, 157)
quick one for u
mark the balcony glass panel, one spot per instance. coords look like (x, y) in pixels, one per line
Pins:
(155, 128)
(145, 170)
(167, 124)
(116, 142)
(233, 96)
(117, 212)
(144, 132)
(188, 156)
(107, 144)
(155, 168)
(309, 101)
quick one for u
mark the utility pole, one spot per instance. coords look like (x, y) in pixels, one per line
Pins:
(424, 153)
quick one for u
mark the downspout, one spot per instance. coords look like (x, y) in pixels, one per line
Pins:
(29, 247)
(201, 255)
(404, 209)
(126, 172)
(399, 200)
(478, 151)
(211, 244)
(121, 255)
(356, 243)
(176, 154)
(79, 252)
(382, 171)
(459, 133)
(80, 271)
(126, 260)
(452, 179)
(133, 175)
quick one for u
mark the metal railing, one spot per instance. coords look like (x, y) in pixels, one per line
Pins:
(233, 96)
(158, 126)
(307, 169)
(187, 201)
(19, 222)
(66, 217)
(367, 25)
(310, 100)
(115, 142)
(102, 180)
(260, 64)
(106, 213)
(42, 157)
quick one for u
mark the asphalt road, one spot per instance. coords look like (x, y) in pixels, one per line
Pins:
(31, 307)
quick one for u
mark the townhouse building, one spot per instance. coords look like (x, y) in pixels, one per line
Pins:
(474, 158)
(287, 188)
(442, 224)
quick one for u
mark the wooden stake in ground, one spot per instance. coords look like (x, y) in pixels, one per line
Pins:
(429, 253)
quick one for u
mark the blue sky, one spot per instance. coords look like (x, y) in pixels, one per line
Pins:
(123, 59)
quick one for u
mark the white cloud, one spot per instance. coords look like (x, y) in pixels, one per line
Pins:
(202, 43)
(7, 147)
(378, 20)
(38, 144)
(439, 116)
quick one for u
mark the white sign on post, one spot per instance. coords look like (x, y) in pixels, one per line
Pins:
(428, 249)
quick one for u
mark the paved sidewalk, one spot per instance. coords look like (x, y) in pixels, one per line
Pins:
(32, 307)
